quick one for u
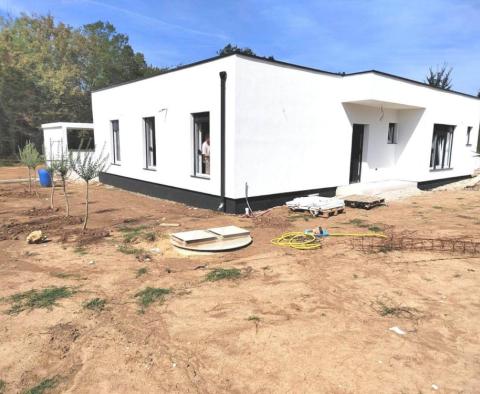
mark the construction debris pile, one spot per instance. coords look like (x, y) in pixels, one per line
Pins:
(317, 206)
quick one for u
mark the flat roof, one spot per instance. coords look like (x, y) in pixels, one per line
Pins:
(66, 124)
(292, 65)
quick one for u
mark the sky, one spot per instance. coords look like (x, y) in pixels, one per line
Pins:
(402, 37)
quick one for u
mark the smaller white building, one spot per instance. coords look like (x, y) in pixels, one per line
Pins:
(67, 137)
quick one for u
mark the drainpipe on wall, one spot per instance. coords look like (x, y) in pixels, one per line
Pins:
(223, 80)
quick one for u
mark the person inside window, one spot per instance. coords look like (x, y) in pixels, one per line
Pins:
(206, 156)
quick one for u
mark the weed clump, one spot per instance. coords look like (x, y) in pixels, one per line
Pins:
(130, 250)
(36, 299)
(359, 223)
(95, 304)
(386, 307)
(149, 295)
(3, 386)
(223, 273)
(141, 271)
(44, 385)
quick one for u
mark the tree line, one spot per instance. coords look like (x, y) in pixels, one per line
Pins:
(48, 69)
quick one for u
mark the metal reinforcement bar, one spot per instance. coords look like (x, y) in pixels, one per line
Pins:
(401, 242)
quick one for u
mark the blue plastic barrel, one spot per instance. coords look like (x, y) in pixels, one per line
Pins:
(44, 177)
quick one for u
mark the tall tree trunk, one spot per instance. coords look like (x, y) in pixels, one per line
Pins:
(29, 181)
(86, 210)
(67, 205)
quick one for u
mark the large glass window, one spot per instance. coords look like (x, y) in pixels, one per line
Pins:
(442, 141)
(150, 143)
(116, 141)
(80, 139)
(201, 144)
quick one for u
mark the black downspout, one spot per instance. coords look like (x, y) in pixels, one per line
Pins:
(223, 80)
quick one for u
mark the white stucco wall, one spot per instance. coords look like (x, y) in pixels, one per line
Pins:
(171, 98)
(296, 126)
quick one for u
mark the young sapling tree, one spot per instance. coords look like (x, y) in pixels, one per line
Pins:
(51, 168)
(31, 158)
(88, 166)
(63, 169)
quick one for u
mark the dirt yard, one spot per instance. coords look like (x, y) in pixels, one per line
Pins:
(289, 321)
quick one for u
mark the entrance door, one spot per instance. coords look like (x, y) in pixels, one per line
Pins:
(356, 156)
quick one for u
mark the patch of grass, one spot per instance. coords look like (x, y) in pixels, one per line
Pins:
(141, 271)
(81, 250)
(437, 207)
(355, 276)
(95, 304)
(386, 307)
(132, 234)
(223, 273)
(36, 299)
(296, 216)
(3, 386)
(375, 228)
(149, 295)
(43, 386)
(359, 223)
(131, 250)
(150, 236)
(254, 318)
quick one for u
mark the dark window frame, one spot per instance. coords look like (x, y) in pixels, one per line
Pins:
(115, 126)
(469, 132)
(197, 148)
(150, 142)
(442, 138)
(392, 133)
(75, 143)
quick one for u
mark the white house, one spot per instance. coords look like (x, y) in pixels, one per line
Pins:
(65, 137)
(283, 129)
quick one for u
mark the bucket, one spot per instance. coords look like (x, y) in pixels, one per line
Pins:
(44, 177)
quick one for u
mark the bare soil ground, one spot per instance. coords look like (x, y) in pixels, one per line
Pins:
(294, 321)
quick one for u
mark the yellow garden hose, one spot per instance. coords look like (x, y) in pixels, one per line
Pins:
(308, 241)
(298, 240)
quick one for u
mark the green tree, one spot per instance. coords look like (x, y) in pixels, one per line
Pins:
(88, 165)
(440, 77)
(230, 49)
(30, 157)
(48, 69)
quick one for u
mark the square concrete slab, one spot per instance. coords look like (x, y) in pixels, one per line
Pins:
(194, 236)
(229, 231)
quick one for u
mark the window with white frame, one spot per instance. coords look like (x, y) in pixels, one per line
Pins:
(442, 142)
(201, 144)
(150, 143)
(469, 131)
(392, 133)
(115, 141)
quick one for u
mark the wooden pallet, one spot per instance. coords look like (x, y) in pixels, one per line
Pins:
(363, 201)
(326, 213)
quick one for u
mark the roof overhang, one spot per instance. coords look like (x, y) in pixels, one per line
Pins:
(382, 104)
